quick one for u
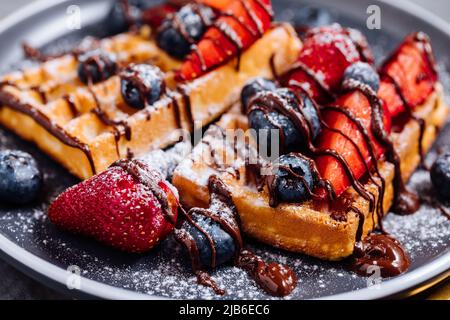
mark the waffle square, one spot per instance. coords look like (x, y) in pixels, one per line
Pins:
(308, 227)
(87, 128)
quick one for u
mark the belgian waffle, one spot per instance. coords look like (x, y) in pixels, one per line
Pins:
(307, 227)
(87, 129)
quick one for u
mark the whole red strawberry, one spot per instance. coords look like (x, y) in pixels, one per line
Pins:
(129, 207)
(326, 54)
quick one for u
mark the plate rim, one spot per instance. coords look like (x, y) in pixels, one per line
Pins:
(25, 260)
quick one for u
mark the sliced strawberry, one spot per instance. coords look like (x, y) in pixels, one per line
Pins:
(388, 93)
(241, 24)
(329, 167)
(327, 52)
(154, 16)
(411, 67)
(116, 209)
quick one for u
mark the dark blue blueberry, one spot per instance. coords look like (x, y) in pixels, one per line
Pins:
(264, 122)
(255, 86)
(96, 66)
(311, 114)
(20, 178)
(181, 30)
(304, 104)
(142, 85)
(223, 242)
(440, 175)
(310, 17)
(272, 119)
(291, 188)
(364, 73)
(118, 19)
(307, 108)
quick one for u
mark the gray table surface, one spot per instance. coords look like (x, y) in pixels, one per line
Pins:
(14, 284)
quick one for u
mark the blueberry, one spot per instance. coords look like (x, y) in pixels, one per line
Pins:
(223, 242)
(95, 66)
(142, 85)
(255, 86)
(259, 120)
(311, 17)
(307, 108)
(181, 30)
(292, 188)
(364, 73)
(440, 175)
(311, 114)
(119, 21)
(273, 119)
(20, 178)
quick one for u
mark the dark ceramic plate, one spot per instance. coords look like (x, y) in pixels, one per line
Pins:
(32, 244)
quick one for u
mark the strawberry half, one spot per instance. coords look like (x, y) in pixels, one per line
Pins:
(327, 52)
(329, 167)
(117, 209)
(241, 24)
(409, 76)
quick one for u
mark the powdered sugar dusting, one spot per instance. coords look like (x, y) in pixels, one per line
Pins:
(414, 231)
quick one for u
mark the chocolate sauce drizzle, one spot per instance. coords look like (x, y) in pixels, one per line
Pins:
(71, 104)
(444, 211)
(361, 44)
(150, 178)
(225, 29)
(274, 278)
(422, 42)
(133, 76)
(42, 94)
(409, 113)
(179, 25)
(269, 101)
(121, 127)
(33, 53)
(405, 202)
(107, 67)
(379, 252)
(381, 186)
(13, 102)
(271, 180)
(105, 64)
(377, 249)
